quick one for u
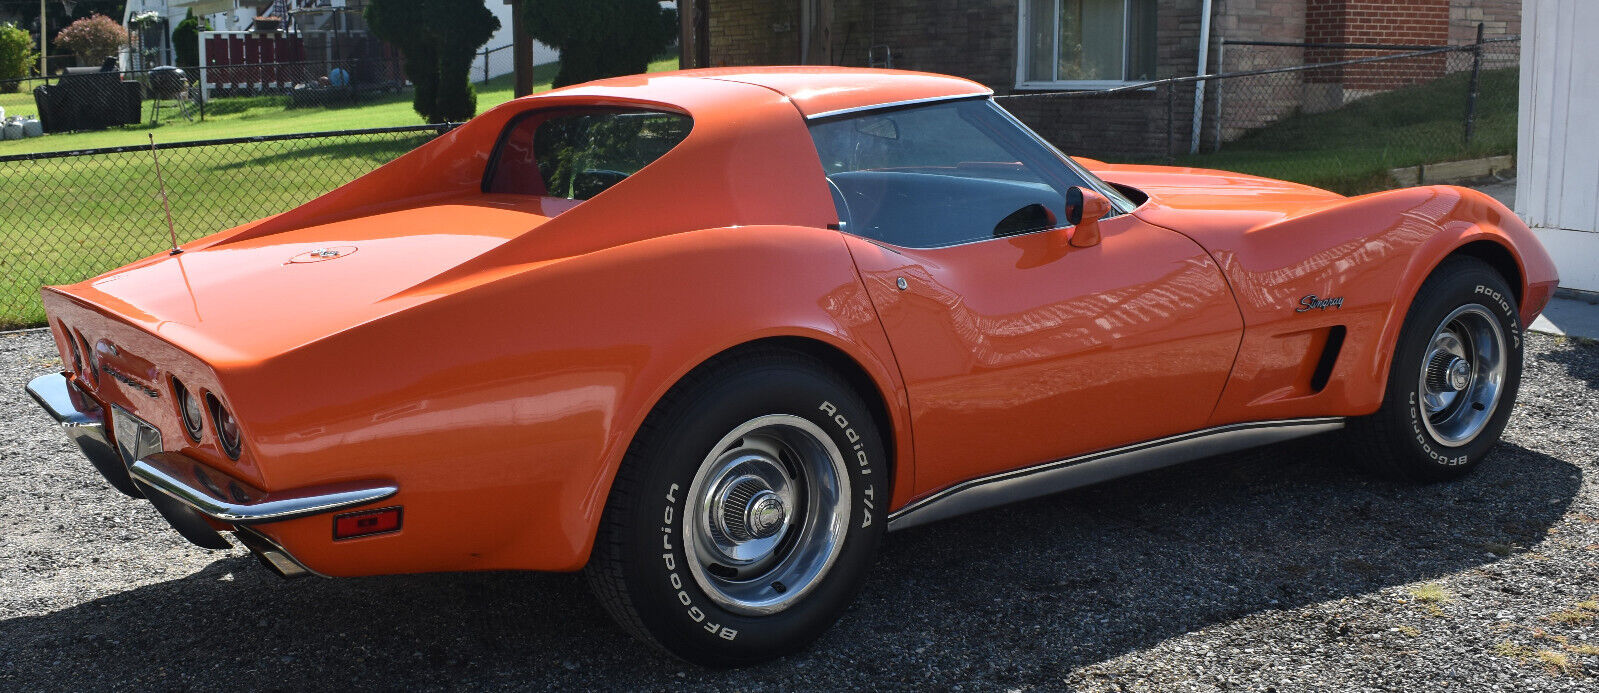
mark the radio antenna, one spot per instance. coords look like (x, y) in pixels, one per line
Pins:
(162, 185)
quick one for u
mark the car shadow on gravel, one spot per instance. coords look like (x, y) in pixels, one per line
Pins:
(1581, 361)
(1015, 595)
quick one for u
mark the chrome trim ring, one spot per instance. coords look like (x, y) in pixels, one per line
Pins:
(1462, 375)
(767, 516)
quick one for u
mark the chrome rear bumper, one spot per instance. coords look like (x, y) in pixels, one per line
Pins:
(84, 421)
(227, 500)
(187, 493)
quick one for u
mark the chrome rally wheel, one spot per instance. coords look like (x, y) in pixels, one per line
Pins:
(771, 506)
(1462, 375)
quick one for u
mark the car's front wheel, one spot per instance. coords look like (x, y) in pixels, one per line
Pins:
(1453, 380)
(746, 513)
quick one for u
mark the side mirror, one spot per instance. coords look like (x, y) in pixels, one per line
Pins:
(1084, 209)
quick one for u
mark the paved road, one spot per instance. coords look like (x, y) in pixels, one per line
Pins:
(1278, 570)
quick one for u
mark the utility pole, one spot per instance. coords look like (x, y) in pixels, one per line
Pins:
(521, 49)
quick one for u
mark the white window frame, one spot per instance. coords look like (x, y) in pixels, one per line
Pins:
(1023, 22)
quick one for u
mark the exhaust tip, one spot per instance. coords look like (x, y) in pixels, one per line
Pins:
(271, 555)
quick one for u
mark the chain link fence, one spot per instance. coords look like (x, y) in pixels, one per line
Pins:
(1349, 117)
(67, 216)
(1346, 117)
(493, 62)
(91, 99)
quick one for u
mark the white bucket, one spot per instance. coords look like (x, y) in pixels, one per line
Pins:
(31, 127)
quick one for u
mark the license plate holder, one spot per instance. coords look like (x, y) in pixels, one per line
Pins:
(135, 437)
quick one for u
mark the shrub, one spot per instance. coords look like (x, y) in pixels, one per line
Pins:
(438, 39)
(16, 55)
(602, 38)
(93, 38)
(186, 39)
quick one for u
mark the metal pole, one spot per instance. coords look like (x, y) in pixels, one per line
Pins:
(1199, 87)
(44, 50)
(1471, 93)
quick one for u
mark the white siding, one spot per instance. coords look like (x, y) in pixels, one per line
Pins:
(1558, 154)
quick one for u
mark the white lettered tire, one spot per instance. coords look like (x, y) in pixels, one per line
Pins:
(746, 512)
(1453, 381)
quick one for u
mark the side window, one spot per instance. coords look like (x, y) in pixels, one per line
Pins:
(940, 175)
(577, 154)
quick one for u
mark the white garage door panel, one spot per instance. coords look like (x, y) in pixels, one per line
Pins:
(1558, 157)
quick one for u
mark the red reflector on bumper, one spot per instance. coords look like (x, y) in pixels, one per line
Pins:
(352, 525)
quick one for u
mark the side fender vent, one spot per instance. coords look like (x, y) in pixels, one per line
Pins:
(1329, 358)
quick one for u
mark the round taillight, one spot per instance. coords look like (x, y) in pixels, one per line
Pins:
(72, 344)
(227, 428)
(189, 408)
(90, 365)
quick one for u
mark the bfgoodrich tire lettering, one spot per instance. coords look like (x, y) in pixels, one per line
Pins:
(746, 512)
(1453, 380)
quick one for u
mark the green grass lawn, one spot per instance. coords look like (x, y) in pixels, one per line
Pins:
(245, 116)
(1351, 149)
(63, 220)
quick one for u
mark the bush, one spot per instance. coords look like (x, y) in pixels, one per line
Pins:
(602, 38)
(186, 39)
(16, 56)
(438, 38)
(93, 38)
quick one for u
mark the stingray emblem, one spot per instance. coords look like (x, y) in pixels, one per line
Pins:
(1312, 302)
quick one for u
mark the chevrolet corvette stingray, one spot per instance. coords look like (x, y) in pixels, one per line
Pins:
(707, 335)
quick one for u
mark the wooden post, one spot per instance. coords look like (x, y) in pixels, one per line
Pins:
(685, 39)
(521, 49)
(702, 32)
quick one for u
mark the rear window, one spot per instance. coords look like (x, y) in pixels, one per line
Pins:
(577, 154)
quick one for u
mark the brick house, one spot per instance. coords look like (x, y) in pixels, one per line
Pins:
(1022, 46)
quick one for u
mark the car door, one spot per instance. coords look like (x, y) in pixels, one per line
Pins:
(1017, 348)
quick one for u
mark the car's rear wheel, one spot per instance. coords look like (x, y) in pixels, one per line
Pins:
(746, 512)
(1453, 380)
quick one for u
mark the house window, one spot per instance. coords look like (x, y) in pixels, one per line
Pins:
(1086, 43)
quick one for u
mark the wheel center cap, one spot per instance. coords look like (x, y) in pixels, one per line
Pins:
(1459, 374)
(765, 515)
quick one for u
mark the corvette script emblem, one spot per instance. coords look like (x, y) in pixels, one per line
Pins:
(1312, 302)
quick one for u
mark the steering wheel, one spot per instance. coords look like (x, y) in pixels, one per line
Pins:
(841, 204)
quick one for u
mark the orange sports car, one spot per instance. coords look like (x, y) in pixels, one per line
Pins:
(706, 335)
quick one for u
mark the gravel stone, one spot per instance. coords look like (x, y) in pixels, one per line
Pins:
(1275, 570)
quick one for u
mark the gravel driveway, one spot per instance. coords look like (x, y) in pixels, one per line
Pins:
(1275, 570)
